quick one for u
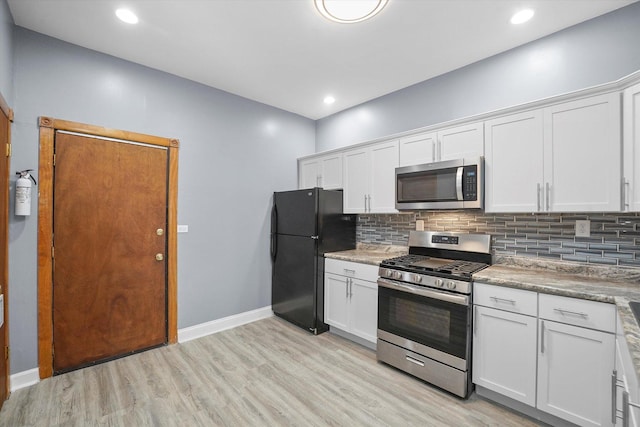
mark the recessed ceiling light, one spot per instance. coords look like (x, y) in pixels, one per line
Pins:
(522, 16)
(349, 11)
(329, 100)
(127, 16)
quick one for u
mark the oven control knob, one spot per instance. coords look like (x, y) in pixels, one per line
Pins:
(398, 275)
(417, 278)
(389, 273)
(451, 284)
(439, 283)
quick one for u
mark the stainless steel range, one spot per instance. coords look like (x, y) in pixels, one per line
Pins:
(424, 307)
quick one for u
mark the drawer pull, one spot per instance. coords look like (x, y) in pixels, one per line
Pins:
(572, 313)
(349, 271)
(504, 300)
(416, 361)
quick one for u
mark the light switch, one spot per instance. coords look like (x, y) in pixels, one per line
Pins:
(183, 228)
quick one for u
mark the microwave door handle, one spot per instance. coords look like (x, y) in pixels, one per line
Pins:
(459, 174)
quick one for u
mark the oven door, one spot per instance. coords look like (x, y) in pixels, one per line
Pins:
(432, 323)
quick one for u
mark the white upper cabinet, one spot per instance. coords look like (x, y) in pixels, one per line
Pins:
(513, 163)
(583, 155)
(563, 158)
(369, 178)
(461, 141)
(447, 144)
(631, 123)
(323, 171)
(418, 149)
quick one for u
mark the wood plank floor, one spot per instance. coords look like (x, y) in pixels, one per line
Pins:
(267, 373)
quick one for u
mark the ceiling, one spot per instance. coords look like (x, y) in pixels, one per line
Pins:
(283, 53)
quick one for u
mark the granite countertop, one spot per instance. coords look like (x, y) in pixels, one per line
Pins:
(369, 253)
(605, 284)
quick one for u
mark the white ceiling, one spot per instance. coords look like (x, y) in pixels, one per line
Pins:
(283, 53)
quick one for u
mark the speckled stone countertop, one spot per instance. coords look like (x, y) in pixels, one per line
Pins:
(369, 253)
(605, 284)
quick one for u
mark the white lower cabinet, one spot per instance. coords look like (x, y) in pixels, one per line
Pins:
(626, 382)
(504, 353)
(574, 373)
(554, 354)
(351, 298)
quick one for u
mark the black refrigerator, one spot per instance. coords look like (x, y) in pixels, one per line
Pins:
(305, 224)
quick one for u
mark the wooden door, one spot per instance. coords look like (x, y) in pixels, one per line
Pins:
(109, 237)
(5, 152)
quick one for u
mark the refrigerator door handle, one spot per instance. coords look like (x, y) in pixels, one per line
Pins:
(274, 230)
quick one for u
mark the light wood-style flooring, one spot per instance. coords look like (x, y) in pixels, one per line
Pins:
(267, 373)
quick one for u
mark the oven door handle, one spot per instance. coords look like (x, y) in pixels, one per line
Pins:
(424, 292)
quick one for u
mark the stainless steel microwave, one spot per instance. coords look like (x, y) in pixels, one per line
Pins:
(452, 184)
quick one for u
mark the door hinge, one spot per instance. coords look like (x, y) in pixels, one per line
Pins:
(8, 150)
(6, 352)
(53, 252)
(54, 160)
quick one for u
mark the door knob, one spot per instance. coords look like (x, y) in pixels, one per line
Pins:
(159, 231)
(159, 257)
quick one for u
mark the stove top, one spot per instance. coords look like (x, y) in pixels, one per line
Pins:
(441, 260)
(423, 264)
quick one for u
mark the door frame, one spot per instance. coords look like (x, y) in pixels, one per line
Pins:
(48, 127)
(4, 280)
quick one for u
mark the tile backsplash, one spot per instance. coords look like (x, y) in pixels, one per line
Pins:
(615, 237)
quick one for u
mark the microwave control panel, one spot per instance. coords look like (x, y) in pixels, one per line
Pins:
(470, 182)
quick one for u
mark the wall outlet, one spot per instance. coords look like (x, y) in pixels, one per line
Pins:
(183, 228)
(583, 228)
(420, 225)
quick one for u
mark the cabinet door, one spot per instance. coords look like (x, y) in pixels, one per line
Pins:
(384, 161)
(308, 173)
(632, 148)
(460, 142)
(418, 149)
(513, 163)
(336, 309)
(363, 309)
(331, 171)
(504, 353)
(583, 155)
(574, 373)
(356, 180)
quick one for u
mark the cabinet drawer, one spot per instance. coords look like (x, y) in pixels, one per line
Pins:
(508, 299)
(578, 312)
(351, 269)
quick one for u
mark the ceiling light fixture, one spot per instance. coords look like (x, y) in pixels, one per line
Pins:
(349, 11)
(125, 15)
(329, 100)
(522, 16)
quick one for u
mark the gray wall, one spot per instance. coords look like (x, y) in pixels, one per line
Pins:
(234, 154)
(6, 53)
(594, 52)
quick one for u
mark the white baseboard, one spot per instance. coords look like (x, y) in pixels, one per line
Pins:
(219, 325)
(24, 379)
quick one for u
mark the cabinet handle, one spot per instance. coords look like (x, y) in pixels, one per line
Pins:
(573, 313)
(439, 149)
(542, 337)
(538, 198)
(369, 198)
(614, 397)
(319, 180)
(475, 320)
(508, 301)
(548, 192)
(349, 271)
(625, 194)
(346, 289)
(365, 202)
(433, 151)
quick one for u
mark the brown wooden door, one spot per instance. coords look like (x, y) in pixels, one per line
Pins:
(4, 248)
(110, 216)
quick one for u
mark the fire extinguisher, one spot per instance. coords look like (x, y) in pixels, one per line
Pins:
(23, 192)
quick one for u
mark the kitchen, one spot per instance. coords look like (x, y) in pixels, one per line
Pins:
(159, 104)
